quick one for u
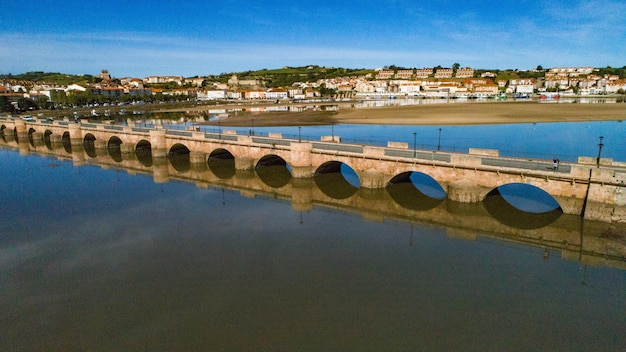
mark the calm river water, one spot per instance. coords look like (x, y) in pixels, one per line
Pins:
(102, 255)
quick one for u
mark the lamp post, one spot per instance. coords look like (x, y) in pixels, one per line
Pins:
(219, 129)
(299, 139)
(439, 140)
(253, 127)
(599, 151)
(414, 144)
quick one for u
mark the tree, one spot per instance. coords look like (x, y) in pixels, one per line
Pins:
(456, 66)
(42, 102)
(539, 68)
(5, 105)
(26, 104)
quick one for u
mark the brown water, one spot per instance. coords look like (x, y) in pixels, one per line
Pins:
(101, 258)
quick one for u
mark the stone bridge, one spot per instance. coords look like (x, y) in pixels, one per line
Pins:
(593, 189)
(589, 242)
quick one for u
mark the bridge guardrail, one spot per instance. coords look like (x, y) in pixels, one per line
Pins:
(141, 129)
(179, 133)
(114, 128)
(338, 147)
(523, 164)
(418, 155)
(221, 137)
(272, 141)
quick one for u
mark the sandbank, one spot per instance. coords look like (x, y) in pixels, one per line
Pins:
(470, 113)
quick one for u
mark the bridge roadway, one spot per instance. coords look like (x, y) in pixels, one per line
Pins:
(583, 188)
(589, 242)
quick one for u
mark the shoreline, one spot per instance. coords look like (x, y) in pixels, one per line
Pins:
(470, 113)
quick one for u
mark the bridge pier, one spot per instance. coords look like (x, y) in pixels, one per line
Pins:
(160, 170)
(127, 148)
(602, 199)
(244, 163)
(20, 130)
(37, 138)
(301, 164)
(23, 146)
(78, 154)
(100, 146)
(76, 137)
(157, 143)
(371, 179)
(465, 192)
(302, 194)
(55, 138)
(197, 157)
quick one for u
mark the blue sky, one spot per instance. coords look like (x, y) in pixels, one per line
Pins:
(141, 38)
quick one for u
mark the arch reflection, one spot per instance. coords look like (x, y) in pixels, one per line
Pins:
(89, 143)
(179, 157)
(114, 146)
(505, 213)
(222, 163)
(143, 152)
(330, 179)
(65, 141)
(273, 171)
(46, 139)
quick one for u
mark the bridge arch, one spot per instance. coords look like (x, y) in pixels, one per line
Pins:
(415, 190)
(222, 163)
(179, 157)
(31, 139)
(46, 139)
(522, 206)
(67, 144)
(9, 134)
(273, 170)
(114, 146)
(143, 152)
(89, 143)
(526, 197)
(336, 179)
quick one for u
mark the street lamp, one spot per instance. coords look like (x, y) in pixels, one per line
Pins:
(299, 139)
(414, 144)
(599, 151)
(439, 140)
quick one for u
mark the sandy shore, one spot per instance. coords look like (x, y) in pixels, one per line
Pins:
(438, 114)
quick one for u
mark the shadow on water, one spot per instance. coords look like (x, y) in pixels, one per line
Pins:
(222, 163)
(179, 157)
(143, 152)
(409, 197)
(67, 144)
(336, 180)
(273, 171)
(89, 143)
(115, 149)
(46, 139)
(416, 191)
(508, 214)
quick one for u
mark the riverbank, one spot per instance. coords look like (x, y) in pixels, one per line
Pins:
(471, 113)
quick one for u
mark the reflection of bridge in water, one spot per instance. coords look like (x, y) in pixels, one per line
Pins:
(590, 188)
(589, 242)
